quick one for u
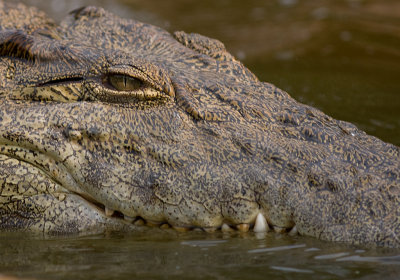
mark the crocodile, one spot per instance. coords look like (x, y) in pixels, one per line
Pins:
(109, 123)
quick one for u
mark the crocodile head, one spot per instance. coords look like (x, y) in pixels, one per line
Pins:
(104, 120)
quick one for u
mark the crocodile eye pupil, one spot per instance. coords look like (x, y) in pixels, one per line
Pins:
(124, 82)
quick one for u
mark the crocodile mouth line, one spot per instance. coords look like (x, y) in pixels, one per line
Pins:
(259, 225)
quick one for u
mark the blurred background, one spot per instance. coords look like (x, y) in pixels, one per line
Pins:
(341, 56)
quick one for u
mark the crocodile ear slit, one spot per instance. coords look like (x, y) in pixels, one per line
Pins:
(215, 50)
(202, 44)
(89, 11)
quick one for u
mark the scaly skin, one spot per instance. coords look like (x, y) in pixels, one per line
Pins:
(103, 114)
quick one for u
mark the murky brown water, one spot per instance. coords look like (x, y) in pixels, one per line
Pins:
(193, 255)
(340, 56)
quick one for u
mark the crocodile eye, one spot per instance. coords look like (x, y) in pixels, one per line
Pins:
(124, 83)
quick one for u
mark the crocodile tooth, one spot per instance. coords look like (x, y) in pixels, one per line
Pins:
(152, 223)
(60, 197)
(260, 224)
(139, 222)
(109, 212)
(209, 229)
(165, 226)
(243, 227)
(181, 229)
(129, 219)
(293, 231)
(226, 228)
(279, 229)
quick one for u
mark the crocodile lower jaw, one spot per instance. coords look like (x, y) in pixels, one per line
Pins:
(59, 174)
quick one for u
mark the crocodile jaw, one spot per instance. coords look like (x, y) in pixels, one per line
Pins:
(59, 210)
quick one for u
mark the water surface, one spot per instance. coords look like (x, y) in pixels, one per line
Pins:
(166, 254)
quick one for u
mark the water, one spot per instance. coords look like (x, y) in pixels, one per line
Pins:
(340, 56)
(194, 255)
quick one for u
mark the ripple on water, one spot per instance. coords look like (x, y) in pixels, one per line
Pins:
(331, 256)
(291, 269)
(383, 260)
(274, 249)
(203, 243)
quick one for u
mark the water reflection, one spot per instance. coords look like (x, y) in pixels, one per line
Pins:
(291, 269)
(273, 249)
(383, 260)
(203, 243)
(191, 255)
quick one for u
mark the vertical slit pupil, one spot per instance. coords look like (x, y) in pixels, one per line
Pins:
(122, 82)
